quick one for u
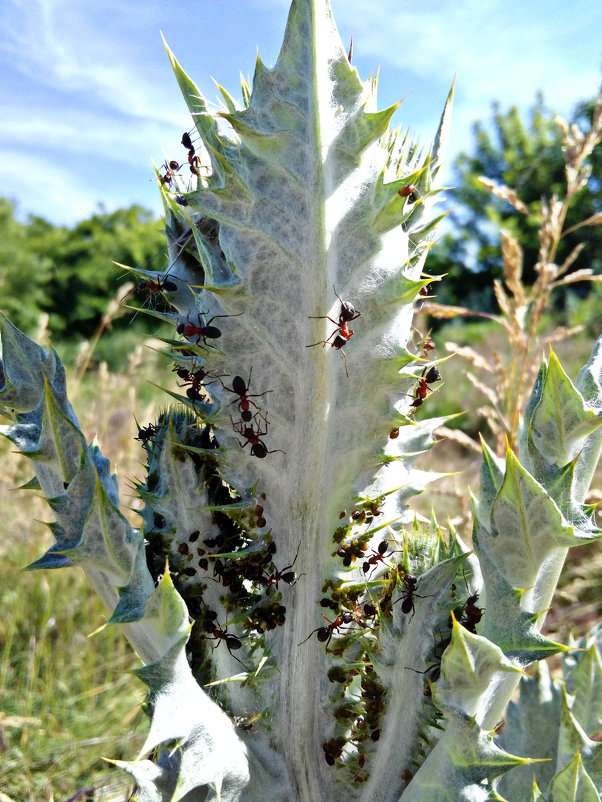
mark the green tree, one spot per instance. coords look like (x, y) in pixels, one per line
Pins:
(528, 158)
(81, 263)
(24, 272)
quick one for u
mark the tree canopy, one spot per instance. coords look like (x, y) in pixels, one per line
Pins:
(69, 272)
(526, 157)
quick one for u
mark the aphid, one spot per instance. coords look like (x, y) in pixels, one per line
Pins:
(241, 389)
(333, 749)
(342, 334)
(325, 633)
(258, 447)
(261, 521)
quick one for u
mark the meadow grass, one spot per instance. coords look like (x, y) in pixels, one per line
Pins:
(67, 699)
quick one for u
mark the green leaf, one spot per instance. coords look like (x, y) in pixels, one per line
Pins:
(573, 784)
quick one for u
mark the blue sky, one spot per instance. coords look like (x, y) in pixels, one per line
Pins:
(88, 99)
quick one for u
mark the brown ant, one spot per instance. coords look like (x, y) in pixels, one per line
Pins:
(258, 447)
(325, 633)
(343, 332)
(241, 389)
(231, 641)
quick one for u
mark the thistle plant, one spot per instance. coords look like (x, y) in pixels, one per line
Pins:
(301, 635)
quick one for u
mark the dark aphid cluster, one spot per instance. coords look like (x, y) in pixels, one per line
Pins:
(342, 334)
(352, 551)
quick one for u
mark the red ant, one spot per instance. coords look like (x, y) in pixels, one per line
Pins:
(240, 389)
(199, 330)
(162, 284)
(231, 641)
(343, 332)
(325, 633)
(422, 388)
(378, 556)
(285, 575)
(258, 447)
